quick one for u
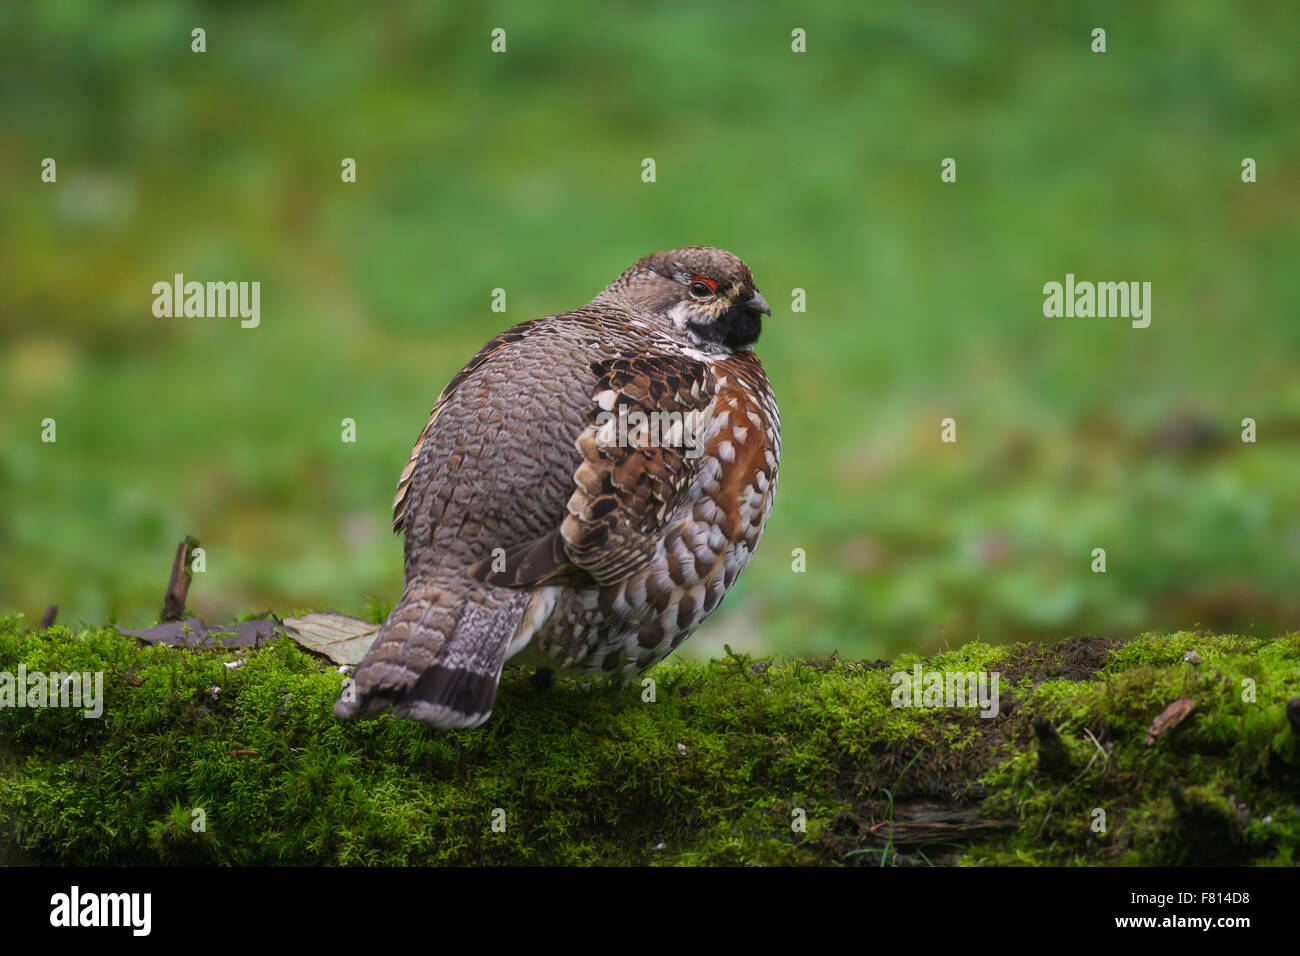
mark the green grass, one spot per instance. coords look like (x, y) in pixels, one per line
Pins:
(522, 171)
(714, 771)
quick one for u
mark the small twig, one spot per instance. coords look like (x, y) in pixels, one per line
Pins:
(1097, 743)
(47, 619)
(178, 587)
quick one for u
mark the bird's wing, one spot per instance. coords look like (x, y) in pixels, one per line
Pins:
(401, 499)
(640, 453)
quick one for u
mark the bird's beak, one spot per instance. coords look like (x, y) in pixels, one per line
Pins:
(757, 303)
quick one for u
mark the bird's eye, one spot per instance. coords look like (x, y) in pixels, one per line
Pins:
(703, 287)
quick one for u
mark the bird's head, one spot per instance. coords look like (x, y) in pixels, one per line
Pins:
(704, 295)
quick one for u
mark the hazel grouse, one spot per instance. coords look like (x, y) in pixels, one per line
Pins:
(587, 489)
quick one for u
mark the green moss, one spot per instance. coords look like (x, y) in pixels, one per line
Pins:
(714, 771)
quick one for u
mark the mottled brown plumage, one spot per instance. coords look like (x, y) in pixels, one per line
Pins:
(586, 489)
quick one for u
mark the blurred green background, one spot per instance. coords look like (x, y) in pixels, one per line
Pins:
(522, 171)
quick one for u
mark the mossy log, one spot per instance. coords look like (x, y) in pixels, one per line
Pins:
(232, 756)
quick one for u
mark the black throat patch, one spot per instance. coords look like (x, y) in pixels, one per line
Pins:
(736, 328)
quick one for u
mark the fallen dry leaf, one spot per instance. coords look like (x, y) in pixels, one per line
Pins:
(1173, 716)
(344, 640)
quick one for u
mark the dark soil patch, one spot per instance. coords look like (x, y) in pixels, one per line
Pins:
(1076, 659)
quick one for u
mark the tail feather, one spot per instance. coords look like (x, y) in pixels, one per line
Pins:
(438, 657)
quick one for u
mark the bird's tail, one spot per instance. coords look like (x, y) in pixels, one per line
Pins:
(438, 657)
